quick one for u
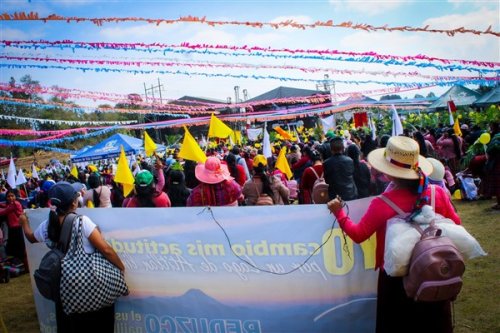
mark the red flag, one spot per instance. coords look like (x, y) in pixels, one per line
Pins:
(451, 106)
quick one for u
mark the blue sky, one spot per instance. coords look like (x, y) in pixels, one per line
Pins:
(476, 15)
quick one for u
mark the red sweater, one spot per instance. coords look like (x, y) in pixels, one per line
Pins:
(375, 218)
(12, 211)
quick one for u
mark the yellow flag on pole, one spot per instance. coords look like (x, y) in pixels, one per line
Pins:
(284, 134)
(282, 164)
(218, 129)
(123, 174)
(456, 128)
(149, 145)
(190, 150)
(74, 172)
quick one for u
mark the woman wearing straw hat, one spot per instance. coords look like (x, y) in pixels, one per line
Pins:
(407, 169)
(216, 188)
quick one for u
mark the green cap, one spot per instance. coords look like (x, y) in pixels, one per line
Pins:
(144, 178)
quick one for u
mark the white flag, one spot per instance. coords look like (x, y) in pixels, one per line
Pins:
(328, 123)
(253, 133)
(372, 128)
(34, 173)
(397, 127)
(266, 143)
(21, 179)
(452, 121)
(11, 175)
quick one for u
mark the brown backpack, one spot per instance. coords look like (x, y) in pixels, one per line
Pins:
(319, 191)
(263, 198)
(436, 267)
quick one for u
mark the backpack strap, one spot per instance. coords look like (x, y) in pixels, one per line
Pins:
(66, 230)
(433, 197)
(315, 173)
(392, 205)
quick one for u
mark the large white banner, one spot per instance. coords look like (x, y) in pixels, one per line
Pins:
(233, 270)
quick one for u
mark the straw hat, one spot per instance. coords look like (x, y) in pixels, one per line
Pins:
(212, 172)
(438, 169)
(400, 159)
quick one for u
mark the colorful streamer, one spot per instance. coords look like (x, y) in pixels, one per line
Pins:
(321, 97)
(48, 105)
(211, 65)
(33, 16)
(324, 55)
(65, 122)
(245, 76)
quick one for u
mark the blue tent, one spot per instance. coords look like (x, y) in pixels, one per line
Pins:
(110, 148)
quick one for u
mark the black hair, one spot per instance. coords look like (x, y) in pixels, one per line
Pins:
(353, 152)
(54, 227)
(419, 137)
(232, 165)
(144, 195)
(260, 172)
(177, 190)
(337, 144)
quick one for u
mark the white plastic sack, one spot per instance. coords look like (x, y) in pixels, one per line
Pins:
(401, 237)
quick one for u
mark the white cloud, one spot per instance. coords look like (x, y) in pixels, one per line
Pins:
(479, 20)
(16, 34)
(368, 7)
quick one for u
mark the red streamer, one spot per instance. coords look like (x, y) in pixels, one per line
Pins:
(33, 16)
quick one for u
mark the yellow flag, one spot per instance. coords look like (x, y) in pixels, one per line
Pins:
(282, 164)
(456, 128)
(236, 137)
(284, 134)
(190, 150)
(74, 172)
(90, 204)
(123, 174)
(149, 145)
(218, 129)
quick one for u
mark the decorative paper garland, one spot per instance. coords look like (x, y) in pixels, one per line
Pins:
(244, 76)
(33, 16)
(367, 57)
(210, 65)
(51, 105)
(65, 92)
(66, 122)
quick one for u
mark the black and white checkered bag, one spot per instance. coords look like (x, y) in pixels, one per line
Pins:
(89, 282)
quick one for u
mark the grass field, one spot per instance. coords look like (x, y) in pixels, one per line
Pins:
(477, 309)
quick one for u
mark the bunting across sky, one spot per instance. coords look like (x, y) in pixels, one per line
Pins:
(33, 16)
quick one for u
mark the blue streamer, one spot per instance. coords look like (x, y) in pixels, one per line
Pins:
(366, 59)
(258, 77)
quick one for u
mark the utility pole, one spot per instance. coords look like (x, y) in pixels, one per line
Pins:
(327, 85)
(151, 91)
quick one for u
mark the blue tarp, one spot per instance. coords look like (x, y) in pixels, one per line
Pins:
(110, 148)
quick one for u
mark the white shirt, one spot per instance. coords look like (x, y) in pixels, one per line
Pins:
(42, 234)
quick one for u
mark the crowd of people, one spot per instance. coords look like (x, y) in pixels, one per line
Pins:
(242, 176)
(352, 163)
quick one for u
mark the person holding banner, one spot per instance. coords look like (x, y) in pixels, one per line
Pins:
(407, 169)
(216, 188)
(64, 200)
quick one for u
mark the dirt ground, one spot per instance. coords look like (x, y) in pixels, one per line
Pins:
(42, 157)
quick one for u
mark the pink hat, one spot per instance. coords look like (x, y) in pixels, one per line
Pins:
(212, 172)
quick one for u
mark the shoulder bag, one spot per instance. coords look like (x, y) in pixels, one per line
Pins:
(89, 281)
